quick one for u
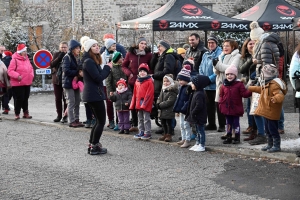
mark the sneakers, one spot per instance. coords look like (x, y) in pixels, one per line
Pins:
(248, 130)
(116, 128)
(139, 136)
(26, 115)
(199, 148)
(79, 123)
(64, 119)
(146, 137)
(17, 117)
(57, 119)
(194, 147)
(260, 139)
(5, 112)
(97, 149)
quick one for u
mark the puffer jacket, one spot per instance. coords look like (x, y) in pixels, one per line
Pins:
(295, 66)
(120, 99)
(132, 62)
(246, 66)
(267, 52)
(231, 98)
(165, 65)
(165, 102)
(70, 67)
(114, 77)
(20, 66)
(93, 76)
(276, 89)
(224, 62)
(197, 54)
(206, 67)
(182, 100)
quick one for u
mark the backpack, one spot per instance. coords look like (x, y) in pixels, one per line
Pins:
(60, 71)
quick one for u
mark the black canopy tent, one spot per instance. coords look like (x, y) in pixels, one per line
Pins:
(180, 15)
(272, 15)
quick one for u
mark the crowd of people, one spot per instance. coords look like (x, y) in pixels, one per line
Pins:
(194, 82)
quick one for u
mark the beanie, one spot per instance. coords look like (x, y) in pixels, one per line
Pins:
(144, 66)
(212, 37)
(108, 35)
(186, 46)
(109, 42)
(185, 73)
(116, 56)
(231, 70)
(83, 39)
(269, 71)
(181, 51)
(256, 31)
(21, 48)
(88, 44)
(189, 62)
(140, 40)
(123, 81)
(164, 44)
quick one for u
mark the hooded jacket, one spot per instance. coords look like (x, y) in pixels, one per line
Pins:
(197, 54)
(206, 67)
(197, 111)
(231, 98)
(165, 65)
(166, 100)
(20, 66)
(93, 76)
(132, 62)
(70, 66)
(276, 89)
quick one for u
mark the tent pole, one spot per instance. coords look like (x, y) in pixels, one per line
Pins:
(285, 57)
(152, 48)
(294, 40)
(117, 35)
(205, 38)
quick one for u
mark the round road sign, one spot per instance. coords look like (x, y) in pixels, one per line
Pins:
(42, 59)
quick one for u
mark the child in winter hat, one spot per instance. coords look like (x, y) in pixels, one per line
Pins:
(116, 57)
(185, 73)
(256, 31)
(109, 42)
(122, 98)
(232, 70)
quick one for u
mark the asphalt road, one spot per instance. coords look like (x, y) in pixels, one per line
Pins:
(41, 161)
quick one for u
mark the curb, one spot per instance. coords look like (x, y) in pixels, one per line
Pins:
(281, 156)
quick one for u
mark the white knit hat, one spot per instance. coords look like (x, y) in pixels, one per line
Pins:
(88, 44)
(256, 31)
(83, 39)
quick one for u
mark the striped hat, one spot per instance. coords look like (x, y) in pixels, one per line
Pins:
(185, 73)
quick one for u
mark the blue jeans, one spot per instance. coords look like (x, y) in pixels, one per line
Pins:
(272, 128)
(200, 139)
(185, 128)
(259, 120)
(281, 120)
(250, 117)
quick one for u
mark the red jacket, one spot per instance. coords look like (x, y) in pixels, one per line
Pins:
(143, 94)
(132, 62)
(231, 98)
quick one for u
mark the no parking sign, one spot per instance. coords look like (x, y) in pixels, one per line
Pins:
(42, 59)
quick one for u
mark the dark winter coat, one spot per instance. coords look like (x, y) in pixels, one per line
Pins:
(197, 111)
(165, 102)
(113, 78)
(6, 60)
(182, 101)
(165, 65)
(246, 66)
(93, 76)
(197, 54)
(231, 98)
(70, 67)
(267, 52)
(55, 63)
(120, 99)
(143, 94)
(132, 62)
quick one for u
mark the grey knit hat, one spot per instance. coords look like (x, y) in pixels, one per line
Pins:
(109, 42)
(164, 44)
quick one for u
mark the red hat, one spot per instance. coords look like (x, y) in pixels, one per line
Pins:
(21, 48)
(7, 53)
(144, 66)
(123, 81)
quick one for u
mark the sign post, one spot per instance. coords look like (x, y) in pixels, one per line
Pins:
(42, 59)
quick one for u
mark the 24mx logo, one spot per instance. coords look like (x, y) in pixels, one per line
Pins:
(282, 26)
(232, 26)
(183, 25)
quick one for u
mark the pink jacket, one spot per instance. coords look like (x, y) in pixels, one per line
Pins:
(20, 66)
(77, 85)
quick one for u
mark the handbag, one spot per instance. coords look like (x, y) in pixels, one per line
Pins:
(254, 103)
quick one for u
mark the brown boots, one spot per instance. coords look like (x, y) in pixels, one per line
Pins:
(252, 136)
(166, 138)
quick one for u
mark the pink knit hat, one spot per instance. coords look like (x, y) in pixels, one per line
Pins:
(231, 70)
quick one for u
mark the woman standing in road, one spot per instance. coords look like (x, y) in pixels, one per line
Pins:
(21, 76)
(93, 92)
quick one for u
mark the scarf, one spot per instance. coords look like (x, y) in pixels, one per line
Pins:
(140, 53)
(122, 90)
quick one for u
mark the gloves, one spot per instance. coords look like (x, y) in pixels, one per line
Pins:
(215, 61)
